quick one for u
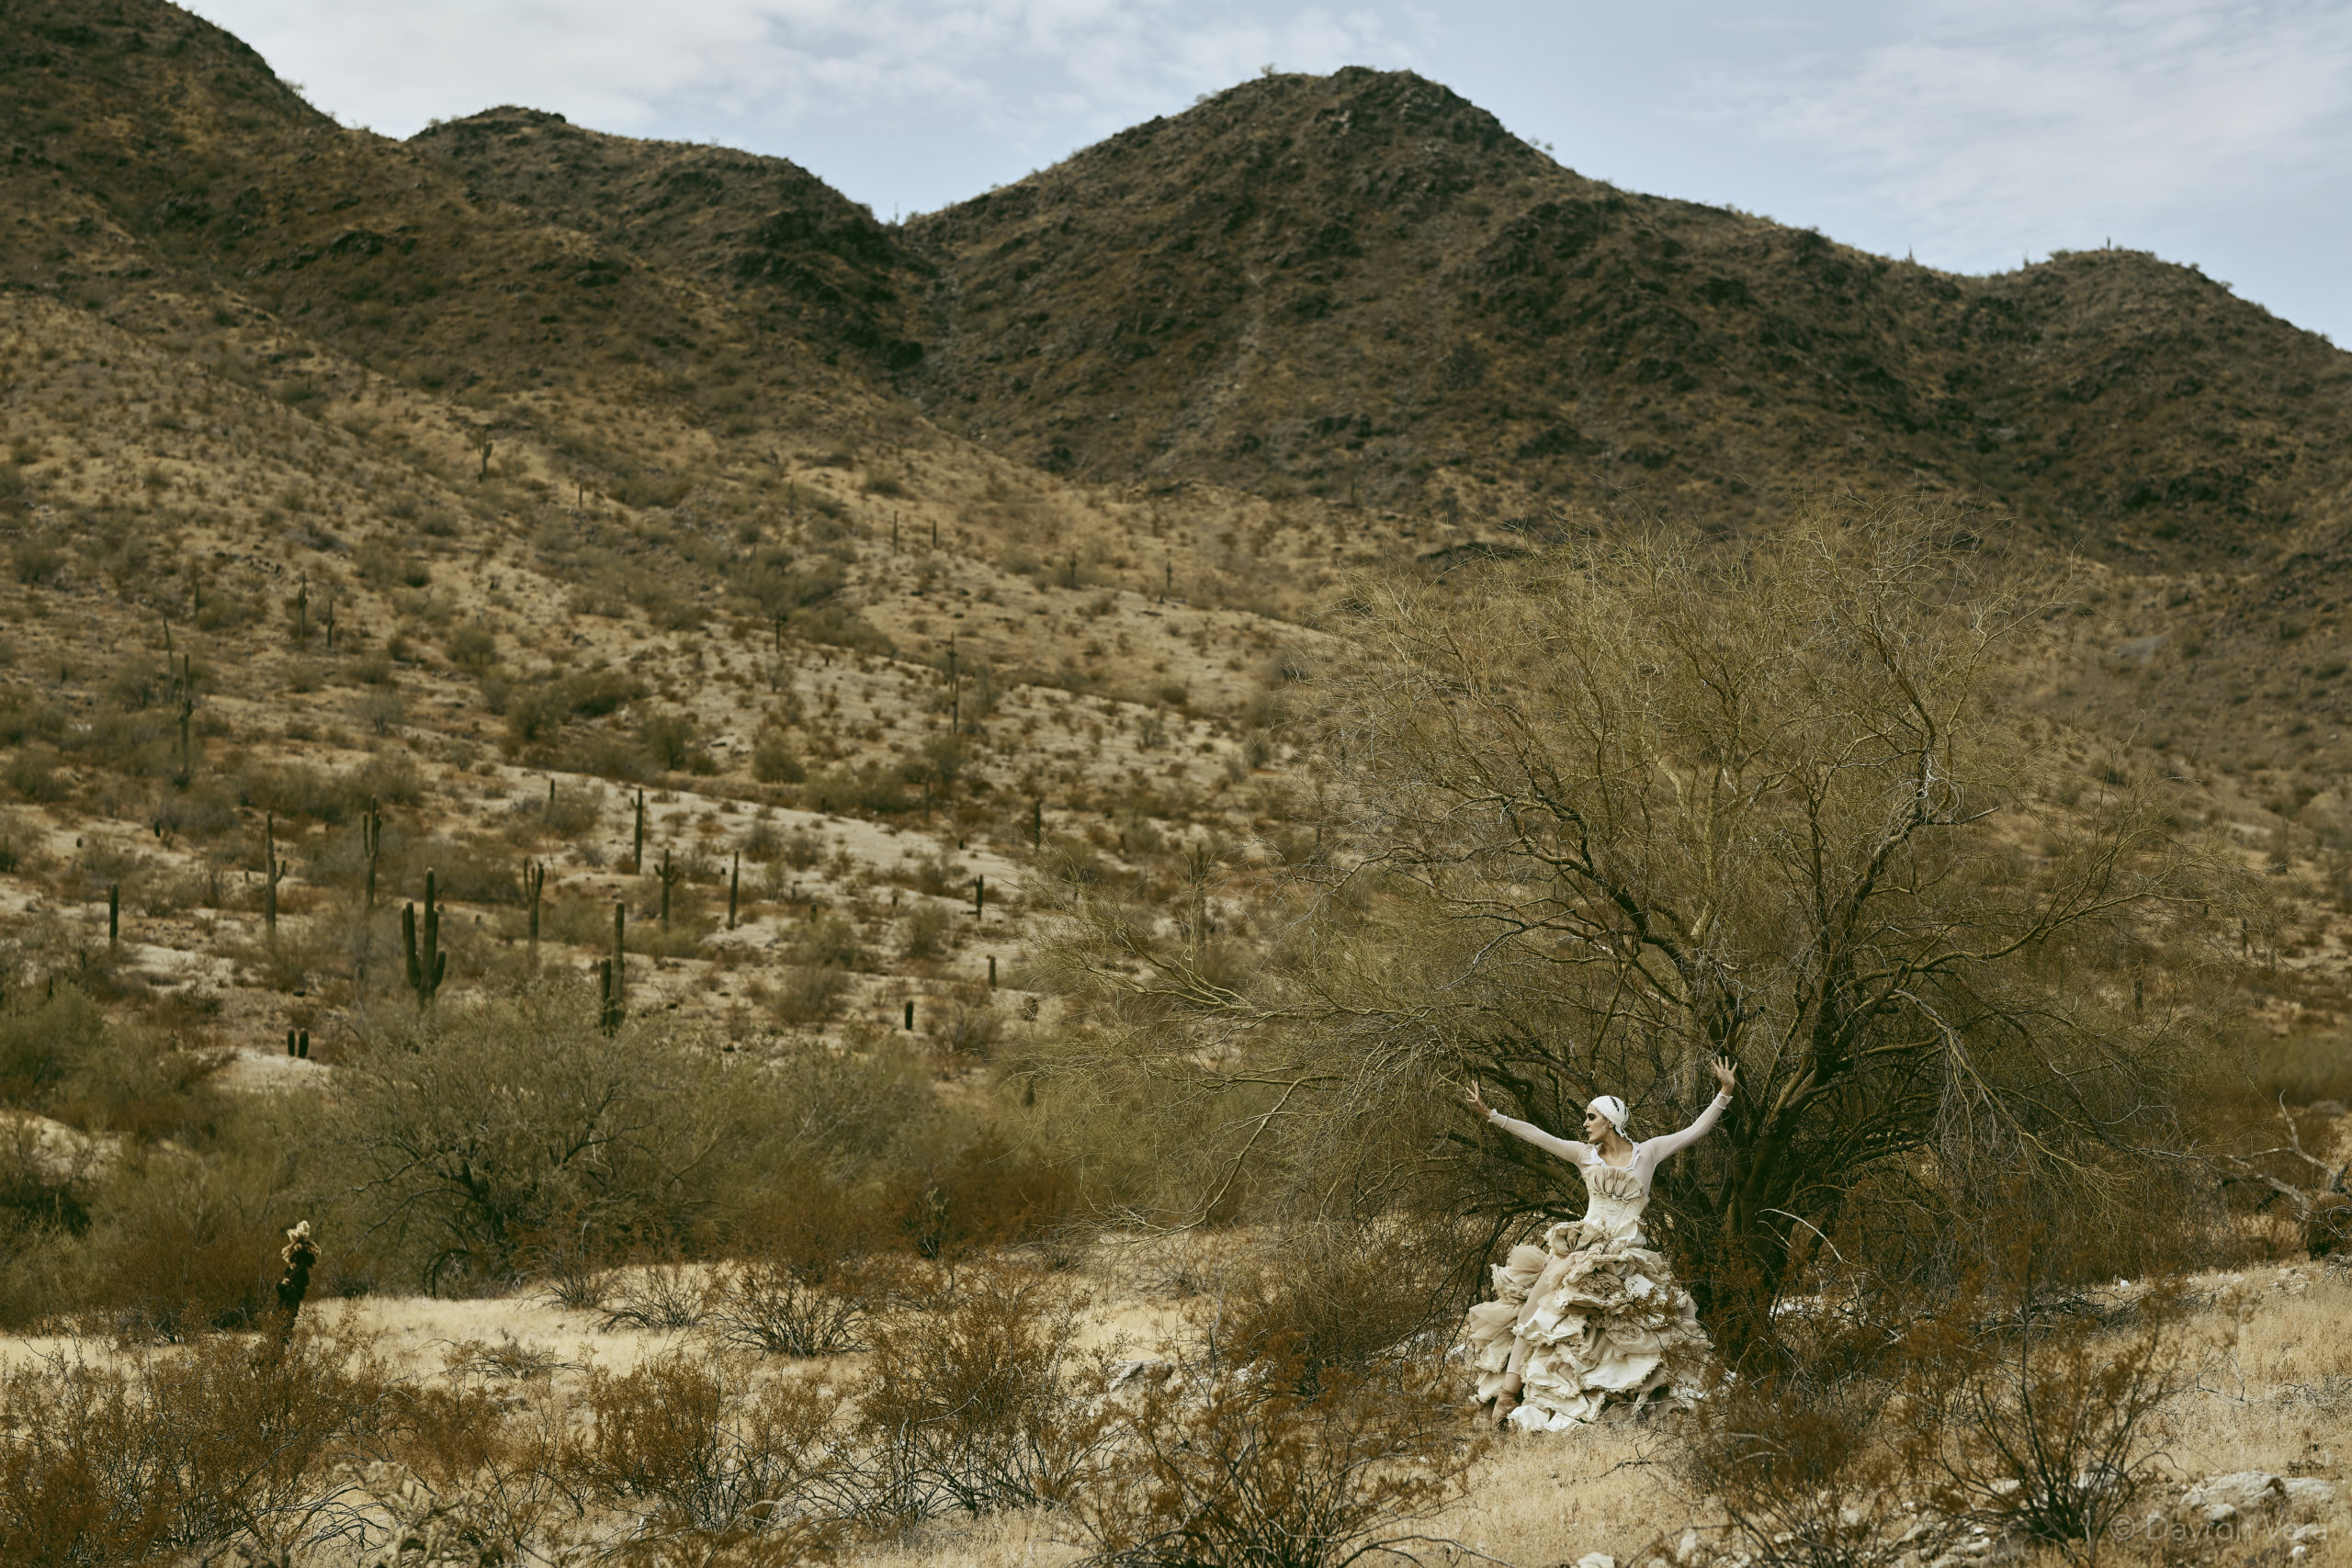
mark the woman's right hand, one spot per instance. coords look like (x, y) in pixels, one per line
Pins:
(1478, 1102)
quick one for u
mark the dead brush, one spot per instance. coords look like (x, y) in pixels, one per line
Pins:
(571, 1262)
(508, 1357)
(1980, 1404)
(227, 1441)
(1337, 1295)
(2049, 1429)
(770, 1305)
(1283, 1464)
(710, 1459)
(970, 1403)
(466, 1475)
(666, 1295)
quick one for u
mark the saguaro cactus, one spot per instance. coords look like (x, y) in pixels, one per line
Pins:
(612, 975)
(671, 876)
(272, 869)
(427, 962)
(183, 696)
(114, 917)
(734, 888)
(371, 838)
(637, 849)
(534, 878)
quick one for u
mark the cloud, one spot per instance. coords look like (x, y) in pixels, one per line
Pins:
(1992, 126)
(624, 65)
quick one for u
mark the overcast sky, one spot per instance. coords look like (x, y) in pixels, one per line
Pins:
(1970, 133)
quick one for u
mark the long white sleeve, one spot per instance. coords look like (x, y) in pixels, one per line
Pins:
(1567, 1148)
(1665, 1144)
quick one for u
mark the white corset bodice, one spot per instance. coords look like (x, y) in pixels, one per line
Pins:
(1614, 1200)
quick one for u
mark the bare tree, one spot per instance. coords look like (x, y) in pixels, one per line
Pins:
(1600, 814)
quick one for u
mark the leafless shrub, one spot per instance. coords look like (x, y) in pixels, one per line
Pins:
(2053, 1428)
(180, 1449)
(768, 1305)
(663, 1294)
(716, 1459)
(509, 1357)
(1335, 1294)
(1279, 1463)
(969, 1406)
(572, 1265)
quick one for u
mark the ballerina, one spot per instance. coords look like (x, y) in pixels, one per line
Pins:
(1592, 1318)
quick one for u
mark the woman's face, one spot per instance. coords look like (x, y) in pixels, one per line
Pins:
(1596, 1127)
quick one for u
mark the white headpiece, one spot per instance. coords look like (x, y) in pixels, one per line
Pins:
(1613, 1110)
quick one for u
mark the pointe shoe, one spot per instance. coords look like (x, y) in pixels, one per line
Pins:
(1505, 1402)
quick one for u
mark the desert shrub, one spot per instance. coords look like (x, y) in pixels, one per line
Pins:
(716, 1456)
(182, 1244)
(969, 1403)
(138, 744)
(770, 1305)
(869, 787)
(472, 647)
(205, 809)
(32, 773)
(297, 790)
(41, 1042)
(971, 1030)
(831, 942)
(466, 1135)
(1351, 1295)
(669, 740)
(2053, 1427)
(182, 1451)
(987, 1195)
(535, 710)
(1996, 1402)
(780, 584)
(609, 756)
(666, 1294)
(803, 850)
(1225, 1467)
(813, 1270)
(574, 812)
(36, 562)
(227, 612)
(1801, 1470)
(810, 993)
(24, 717)
(774, 759)
(476, 871)
(924, 933)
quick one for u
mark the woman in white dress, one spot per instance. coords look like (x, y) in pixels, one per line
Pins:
(1591, 1319)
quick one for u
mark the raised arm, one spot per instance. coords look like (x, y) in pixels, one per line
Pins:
(1666, 1143)
(1567, 1148)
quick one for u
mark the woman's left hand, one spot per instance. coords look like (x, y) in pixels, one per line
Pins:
(1726, 1076)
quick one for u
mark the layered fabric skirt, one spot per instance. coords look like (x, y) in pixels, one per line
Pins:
(1606, 1331)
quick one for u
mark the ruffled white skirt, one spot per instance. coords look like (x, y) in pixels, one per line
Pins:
(1606, 1329)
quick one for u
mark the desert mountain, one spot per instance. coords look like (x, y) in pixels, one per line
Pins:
(1360, 284)
(522, 400)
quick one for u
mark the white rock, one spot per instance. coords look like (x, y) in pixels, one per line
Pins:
(1596, 1559)
(2306, 1494)
(1686, 1550)
(2248, 1490)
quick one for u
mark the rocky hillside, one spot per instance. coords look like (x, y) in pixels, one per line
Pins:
(1361, 286)
(516, 398)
